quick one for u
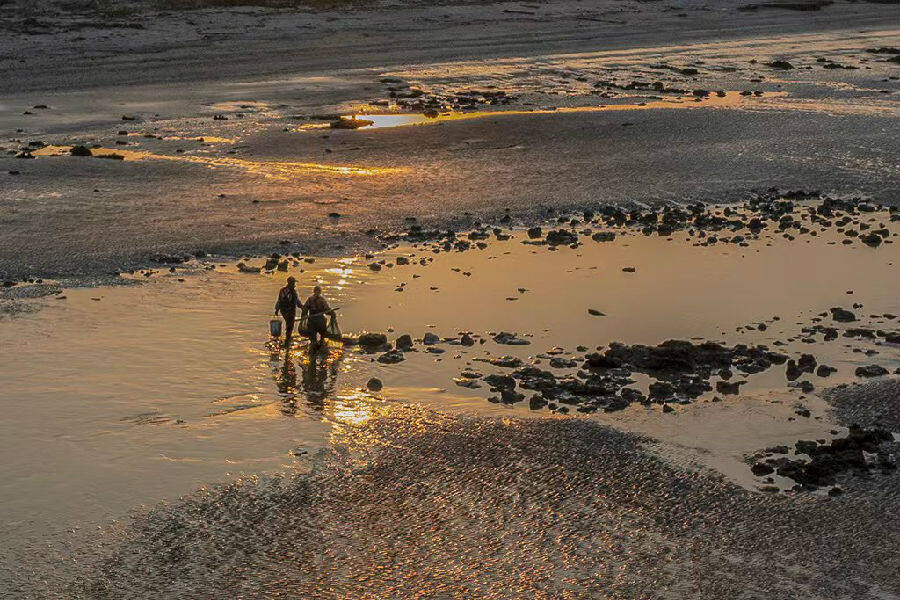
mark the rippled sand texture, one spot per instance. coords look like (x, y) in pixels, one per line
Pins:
(418, 505)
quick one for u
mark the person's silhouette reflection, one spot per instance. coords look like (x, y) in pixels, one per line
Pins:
(318, 378)
(315, 377)
(286, 382)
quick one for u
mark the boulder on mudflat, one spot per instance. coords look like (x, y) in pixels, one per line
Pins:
(510, 339)
(404, 342)
(871, 371)
(391, 357)
(372, 340)
(842, 315)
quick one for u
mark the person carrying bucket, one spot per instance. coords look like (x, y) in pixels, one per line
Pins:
(287, 304)
(314, 309)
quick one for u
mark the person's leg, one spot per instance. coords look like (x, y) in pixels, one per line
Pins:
(288, 327)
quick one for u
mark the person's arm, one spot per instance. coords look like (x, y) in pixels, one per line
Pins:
(277, 303)
(326, 309)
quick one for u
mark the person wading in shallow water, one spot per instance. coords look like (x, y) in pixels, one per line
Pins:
(315, 308)
(287, 304)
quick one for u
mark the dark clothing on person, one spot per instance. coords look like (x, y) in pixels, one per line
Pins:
(315, 308)
(287, 304)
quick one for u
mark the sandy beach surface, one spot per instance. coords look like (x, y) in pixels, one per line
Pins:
(617, 284)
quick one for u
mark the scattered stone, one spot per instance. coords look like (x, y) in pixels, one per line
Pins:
(842, 315)
(841, 455)
(871, 371)
(561, 237)
(760, 469)
(372, 340)
(728, 387)
(391, 357)
(780, 64)
(499, 382)
(374, 385)
(825, 370)
(510, 339)
(245, 268)
(558, 362)
(404, 342)
(507, 362)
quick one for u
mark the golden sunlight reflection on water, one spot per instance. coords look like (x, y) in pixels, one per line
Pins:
(278, 170)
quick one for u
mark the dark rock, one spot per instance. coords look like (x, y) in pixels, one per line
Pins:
(404, 342)
(80, 151)
(372, 340)
(507, 362)
(871, 239)
(842, 315)
(391, 357)
(728, 387)
(510, 339)
(807, 363)
(561, 237)
(825, 370)
(558, 362)
(761, 469)
(374, 385)
(661, 389)
(828, 460)
(510, 396)
(499, 382)
(871, 371)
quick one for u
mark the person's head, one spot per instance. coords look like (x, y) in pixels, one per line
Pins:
(317, 291)
(291, 282)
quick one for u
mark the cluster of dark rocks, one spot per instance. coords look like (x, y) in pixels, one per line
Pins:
(682, 370)
(431, 103)
(789, 214)
(862, 452)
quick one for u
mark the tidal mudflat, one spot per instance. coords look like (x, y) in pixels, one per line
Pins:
(617, 283)
(706, 343)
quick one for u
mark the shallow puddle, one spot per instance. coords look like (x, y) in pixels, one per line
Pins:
(707, 100)
(143, 390)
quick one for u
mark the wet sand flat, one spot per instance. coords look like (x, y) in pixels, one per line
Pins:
(265, 178)
(617, 283)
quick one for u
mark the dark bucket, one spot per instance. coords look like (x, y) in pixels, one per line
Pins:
(275, 327)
